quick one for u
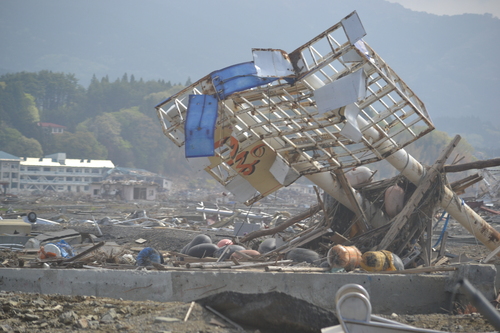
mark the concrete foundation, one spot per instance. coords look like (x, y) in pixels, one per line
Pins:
(422, 293)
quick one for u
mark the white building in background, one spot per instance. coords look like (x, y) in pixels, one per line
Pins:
(52, 128)
(60, 174)
(9, 173)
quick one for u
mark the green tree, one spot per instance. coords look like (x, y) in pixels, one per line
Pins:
(145, 137)
(56, 95)
(20, 107)
(81, 144)
(13, 142)
(107, 130)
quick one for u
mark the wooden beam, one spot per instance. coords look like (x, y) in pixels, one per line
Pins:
(473, 165)
(318, 196)
(422, 270)
(361, 220)
(291, 221)
(459, 186)
(400, 220)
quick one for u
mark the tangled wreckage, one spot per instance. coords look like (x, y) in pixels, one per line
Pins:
(326, 112)
(323, 112)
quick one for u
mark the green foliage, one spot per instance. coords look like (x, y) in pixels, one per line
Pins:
(17, 108)
(53, 92)
(107, 129)
(81, 144)
(129, 135)
(13, 142)
(103, 96)
(109, 120)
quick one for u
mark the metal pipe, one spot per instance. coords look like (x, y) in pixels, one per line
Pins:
(480, 302)
(457, 208)
(414, 171)
(244, 214)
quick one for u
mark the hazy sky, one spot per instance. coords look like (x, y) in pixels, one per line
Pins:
(453, 7)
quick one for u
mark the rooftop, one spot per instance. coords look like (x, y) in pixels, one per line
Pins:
(69, 162)
(7, 156)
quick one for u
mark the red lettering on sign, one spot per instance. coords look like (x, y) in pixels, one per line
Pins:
(240, 158)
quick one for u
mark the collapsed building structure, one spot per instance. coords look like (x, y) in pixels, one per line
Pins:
(324, 112)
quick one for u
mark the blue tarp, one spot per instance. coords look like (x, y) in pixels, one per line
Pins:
(237, 78)
(199, 127)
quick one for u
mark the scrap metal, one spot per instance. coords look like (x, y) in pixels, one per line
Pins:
(330, 105)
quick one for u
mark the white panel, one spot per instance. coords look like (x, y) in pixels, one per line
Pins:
(351, 129)
(272, 63)
(341, 92)
(353, 56)
(283, 173)
(353, 28)
(198, 163)
(241, 189)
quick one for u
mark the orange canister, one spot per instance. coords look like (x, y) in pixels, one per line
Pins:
(377, 261)
(347, 257)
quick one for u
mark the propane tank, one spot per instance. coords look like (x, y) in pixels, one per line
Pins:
(379, 261)
(347, 257)
(394, 197)
(359, 175)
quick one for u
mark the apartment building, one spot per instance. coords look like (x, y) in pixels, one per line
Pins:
(9, 173)
(60, 174)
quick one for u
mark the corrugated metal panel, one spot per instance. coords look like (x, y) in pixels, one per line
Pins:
(200, 125)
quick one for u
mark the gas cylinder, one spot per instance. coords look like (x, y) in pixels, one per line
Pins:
(347, 257)
(378, 261)
(394, 200)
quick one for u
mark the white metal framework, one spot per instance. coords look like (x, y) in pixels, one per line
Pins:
(312, 121)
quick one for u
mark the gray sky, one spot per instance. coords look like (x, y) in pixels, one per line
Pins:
(453, 7)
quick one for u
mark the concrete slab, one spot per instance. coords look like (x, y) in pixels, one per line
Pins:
(402, 294)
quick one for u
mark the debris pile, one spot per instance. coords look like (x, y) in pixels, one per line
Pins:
(325, 112)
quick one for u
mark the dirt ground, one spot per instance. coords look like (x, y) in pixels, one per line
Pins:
(56, 313)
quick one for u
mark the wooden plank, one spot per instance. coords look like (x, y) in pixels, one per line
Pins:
(422, 270)
(296, 269)
(291, 221)
(442, 247)
(491, 255)
(459, 186)
(425, 183)
(361, 220)
(400, 220)
(262, 264)
(472, 165)
(428, 242)
(338, 238)
(486, 209)
(84, 253)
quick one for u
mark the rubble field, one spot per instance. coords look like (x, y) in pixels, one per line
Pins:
(22, 312)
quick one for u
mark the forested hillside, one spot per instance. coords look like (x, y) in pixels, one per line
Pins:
(108, 120)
